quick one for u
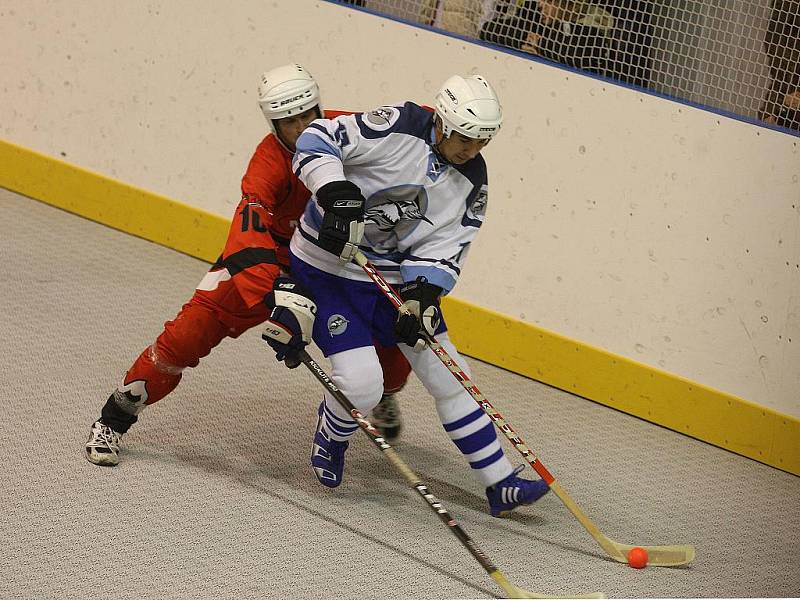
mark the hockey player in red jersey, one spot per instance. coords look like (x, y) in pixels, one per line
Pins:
(249, 283)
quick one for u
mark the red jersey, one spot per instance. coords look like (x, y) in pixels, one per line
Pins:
(273, 199)
(230, 298)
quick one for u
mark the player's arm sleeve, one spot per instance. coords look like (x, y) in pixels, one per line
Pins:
(322, 149)
(250, 251)
(327, 145)
(441, 256)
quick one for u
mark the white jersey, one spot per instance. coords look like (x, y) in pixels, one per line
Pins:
(422, 213)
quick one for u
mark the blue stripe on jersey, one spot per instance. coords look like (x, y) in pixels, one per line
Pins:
(376, 258)
(319, 127)
(313, 215)
(395, 257)
(307, 235)
(441, 261)
(311, 143)
(389, 268)
(477, 440)
(414, 120)
(304, 162)
(324, 131)
(474, 170)
(473, 416)
(435, 276)
(467, 222)
(480, 464)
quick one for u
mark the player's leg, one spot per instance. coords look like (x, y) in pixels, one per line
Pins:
(386, 415)
(342, 331)
(357, 374)
(226, 302)
(154, 374)
(472, 431)
(199, 327)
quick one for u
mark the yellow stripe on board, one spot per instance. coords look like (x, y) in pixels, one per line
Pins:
(726, 421)
(173, 224)
(640, 390)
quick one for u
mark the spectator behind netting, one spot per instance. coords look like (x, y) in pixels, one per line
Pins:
(463, 17)
(573, 32)
(633, 40)
(782, 44)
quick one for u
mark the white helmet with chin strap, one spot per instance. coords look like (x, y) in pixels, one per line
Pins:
(287, 91)
(469, 105)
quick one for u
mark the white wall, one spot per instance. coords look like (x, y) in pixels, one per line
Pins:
(655, 230)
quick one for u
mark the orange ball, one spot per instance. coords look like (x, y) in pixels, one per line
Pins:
(637, 557)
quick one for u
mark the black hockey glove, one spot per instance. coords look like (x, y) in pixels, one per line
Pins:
(343, 222)
(422, 300)
(289, 326)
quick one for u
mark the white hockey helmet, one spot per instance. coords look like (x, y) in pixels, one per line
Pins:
(287, 91)
(469, 105)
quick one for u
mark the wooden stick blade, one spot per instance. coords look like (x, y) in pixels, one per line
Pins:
(514, 591)
(657, 556)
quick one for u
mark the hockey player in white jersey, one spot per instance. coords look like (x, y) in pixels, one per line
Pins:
(408, 187)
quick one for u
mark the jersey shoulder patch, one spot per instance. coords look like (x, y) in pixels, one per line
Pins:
(478, 206)
(407, 118)
(381, 118)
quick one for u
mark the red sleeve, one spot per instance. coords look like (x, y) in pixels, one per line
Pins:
(267, 177)
(250, 249)
(332, 114)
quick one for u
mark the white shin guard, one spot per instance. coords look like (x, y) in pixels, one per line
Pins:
(357, 373)
(465, 422)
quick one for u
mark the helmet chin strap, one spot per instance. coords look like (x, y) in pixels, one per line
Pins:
(441, 156)
(437, 128)
(280, 139)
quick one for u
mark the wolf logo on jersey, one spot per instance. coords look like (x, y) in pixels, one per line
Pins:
(337, 325)
(386, 215)
(393, 215)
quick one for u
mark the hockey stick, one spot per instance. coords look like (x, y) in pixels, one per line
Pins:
(663, 556)
(414, 481)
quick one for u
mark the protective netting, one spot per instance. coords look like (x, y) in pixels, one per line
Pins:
(740, 56)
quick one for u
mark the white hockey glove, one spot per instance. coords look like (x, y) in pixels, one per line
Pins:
(422, 300)
(343, 222)
(291, 322)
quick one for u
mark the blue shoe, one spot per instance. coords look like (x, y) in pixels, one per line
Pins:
(327, 455)
(514, 491)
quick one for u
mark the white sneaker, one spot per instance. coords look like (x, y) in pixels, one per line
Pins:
(102, 447)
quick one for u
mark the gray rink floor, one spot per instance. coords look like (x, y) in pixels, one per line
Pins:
(214, 498)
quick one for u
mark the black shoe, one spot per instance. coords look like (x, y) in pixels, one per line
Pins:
(386, 417)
